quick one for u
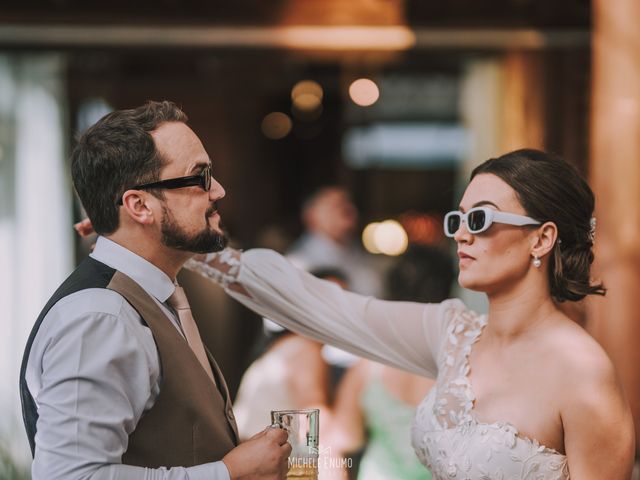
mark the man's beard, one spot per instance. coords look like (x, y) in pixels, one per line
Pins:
(206, 241)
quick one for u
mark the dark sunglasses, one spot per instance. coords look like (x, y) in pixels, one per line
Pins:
(202, 180)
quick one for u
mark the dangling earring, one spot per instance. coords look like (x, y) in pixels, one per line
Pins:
(536, 261)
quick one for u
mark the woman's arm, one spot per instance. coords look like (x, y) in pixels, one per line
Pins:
(599, 435)
(406, 335)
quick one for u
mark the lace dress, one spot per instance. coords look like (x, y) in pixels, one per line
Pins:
(433, 340)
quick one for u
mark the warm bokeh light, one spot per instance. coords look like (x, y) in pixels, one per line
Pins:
(364, 92)
(421, 228)
(386, 237)
(306, 98)
(390, 238)
(307, 87)
(276, 125)
(368, 237)
(307, 102)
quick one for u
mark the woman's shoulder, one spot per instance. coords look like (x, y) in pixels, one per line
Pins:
(581, 359)
(593, 407)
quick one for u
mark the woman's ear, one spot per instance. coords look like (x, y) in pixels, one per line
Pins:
(544, 239)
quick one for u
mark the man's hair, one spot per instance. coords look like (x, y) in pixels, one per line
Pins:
(115, 154)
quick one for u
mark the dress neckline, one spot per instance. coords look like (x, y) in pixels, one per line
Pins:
(482, 321)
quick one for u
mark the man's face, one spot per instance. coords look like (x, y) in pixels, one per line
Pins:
(190, 220)
(333, 215)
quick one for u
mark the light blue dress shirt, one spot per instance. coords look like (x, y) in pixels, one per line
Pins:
(93, 371)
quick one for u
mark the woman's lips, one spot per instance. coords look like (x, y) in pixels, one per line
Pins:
(465, 259)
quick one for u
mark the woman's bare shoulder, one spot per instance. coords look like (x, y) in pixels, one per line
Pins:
(579, 355)
(593, 408)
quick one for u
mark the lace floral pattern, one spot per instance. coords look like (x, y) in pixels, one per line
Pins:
(448, 439)
(222, 267)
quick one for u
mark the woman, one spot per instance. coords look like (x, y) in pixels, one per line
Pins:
(522, 392)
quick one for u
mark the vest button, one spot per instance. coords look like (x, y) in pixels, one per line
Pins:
(230, 414)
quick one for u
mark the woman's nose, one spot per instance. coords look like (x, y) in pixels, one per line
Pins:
(462, 235)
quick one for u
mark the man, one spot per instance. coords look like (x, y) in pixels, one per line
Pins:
(330, 219)
(115, 381)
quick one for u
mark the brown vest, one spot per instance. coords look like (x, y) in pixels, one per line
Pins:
(191, 422)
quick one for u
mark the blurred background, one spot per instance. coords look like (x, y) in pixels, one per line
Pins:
(394, 101)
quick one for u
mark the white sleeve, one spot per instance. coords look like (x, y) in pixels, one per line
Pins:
(405, 335)
(97, 374)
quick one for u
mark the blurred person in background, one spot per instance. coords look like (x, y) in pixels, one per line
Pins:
(115, 381)
(375, 404)
(522, 391)
(331, 220)
(289, 373)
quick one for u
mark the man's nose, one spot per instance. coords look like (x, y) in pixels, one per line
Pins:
(216, 192)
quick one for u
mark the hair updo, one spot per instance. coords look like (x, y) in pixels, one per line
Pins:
(551, 190)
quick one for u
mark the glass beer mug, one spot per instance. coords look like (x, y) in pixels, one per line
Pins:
(302, 427)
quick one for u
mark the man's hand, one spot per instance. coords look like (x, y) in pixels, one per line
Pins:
(84, 228)
(262, 457)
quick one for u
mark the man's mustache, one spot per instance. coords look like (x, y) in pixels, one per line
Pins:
(212, 209)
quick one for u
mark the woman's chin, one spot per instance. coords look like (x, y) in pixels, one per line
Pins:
(469, 282)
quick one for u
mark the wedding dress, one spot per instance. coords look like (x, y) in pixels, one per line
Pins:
(433, 340)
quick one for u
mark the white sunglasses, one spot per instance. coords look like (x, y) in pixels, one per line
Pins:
(479, 220)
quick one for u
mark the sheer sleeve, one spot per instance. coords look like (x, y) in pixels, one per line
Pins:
(405, 335)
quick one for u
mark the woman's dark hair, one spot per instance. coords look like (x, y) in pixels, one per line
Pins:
(421, 274)
(551, 190)
(117, 153)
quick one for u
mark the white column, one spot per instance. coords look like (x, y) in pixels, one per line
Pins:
(36, 237)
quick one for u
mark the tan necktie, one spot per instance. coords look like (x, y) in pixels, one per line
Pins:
(180, 303)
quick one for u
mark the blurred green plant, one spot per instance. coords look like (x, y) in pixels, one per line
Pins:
(9, 470)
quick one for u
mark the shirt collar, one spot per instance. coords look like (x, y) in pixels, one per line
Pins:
(153, 280)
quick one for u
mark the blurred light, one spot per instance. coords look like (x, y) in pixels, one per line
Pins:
(386, 237)
(364, 92)
(306, 87)
(422, 229)
(276, 125)
(406, 145)
(330, 38)
(390, 238)
(387, 38)
(306, 102)
(306, 97)
(368, 237)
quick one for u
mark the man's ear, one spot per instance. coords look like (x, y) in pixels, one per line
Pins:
(544, 240)
(135, 204)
